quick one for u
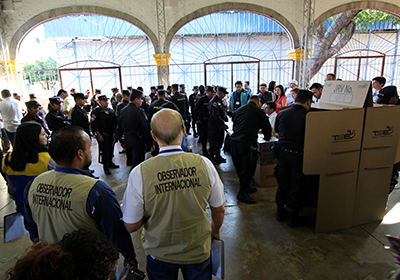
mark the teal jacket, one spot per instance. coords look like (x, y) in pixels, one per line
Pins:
(244, 98)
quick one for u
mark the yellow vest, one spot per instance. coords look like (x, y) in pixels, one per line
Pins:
(58, 204)
(176, 189)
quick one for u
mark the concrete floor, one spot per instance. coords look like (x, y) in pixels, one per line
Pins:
(258, 246)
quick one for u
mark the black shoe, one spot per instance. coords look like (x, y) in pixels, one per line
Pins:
(188, 133)
(251, 189)
(91, 171)
(195, 135)
(220, 159)
(294, 221)
(245, 199)
(122, 152)
(107, 171)
(281, 214)
(206, 154)
(113, 165)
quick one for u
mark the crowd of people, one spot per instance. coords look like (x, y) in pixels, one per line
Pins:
(49, 177)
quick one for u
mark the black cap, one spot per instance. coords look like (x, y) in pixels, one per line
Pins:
(385, 94)
(195, 88)
(160, 87)
(130, 87)
(182, 86)
(55, 100)
(114, 89)
(32, 95)
(72, 89)
(97, 90)
(169, 87)
(15, 94)
(174, 86)
(102, 97)
(61, 91)
(210, 89)
(125, 92)
(139, 88)
(153, 87)
(303, 93)
(222, 89)
(31, 104)
(79, 95)
(135, 94)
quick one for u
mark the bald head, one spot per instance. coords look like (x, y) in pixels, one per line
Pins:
(167, 127)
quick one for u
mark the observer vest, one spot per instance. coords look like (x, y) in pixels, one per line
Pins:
(58, 204)
(176, 189)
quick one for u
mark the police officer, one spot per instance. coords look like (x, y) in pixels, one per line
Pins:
(247, 121)
(181, 102)
(135, 128)
(94, 101)
(146, 101)
(217, 126)
(32, 115)
(290, 124)
(113, 98)
(79, 116)
(56, 119)
(158, 104)
(125, 101)
(201, 115)
(192, 103)
(153, 94)
(104, 123)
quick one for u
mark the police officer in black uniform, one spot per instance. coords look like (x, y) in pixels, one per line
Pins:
(125, 101)
(104, 123)
(192, 103)
(94, 101)
(113, 98)
(247, 121)
(135, 128)
(290, 125)
(153, 94)
(181, 102)
(216, 125)
(32, 115)
(201, 115)
(145, 105)
(79, 116)
(158, 104)
(56, 119)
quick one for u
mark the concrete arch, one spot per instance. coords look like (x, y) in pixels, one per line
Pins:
(374, 5)
(232, 6)
(65, 11)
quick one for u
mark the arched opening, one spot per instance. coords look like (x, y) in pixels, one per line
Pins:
(373, 49)
(224, 47)
(86, 52)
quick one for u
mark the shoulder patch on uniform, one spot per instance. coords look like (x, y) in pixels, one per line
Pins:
(215, 104)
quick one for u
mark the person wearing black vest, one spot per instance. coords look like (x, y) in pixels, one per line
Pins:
(247, 121)
(201, 115)
(79, 116)
(216, 125)
(135, 129)
(153, 94)
(32, 115)
(104, 123)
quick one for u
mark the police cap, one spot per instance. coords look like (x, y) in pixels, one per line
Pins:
(55, 100)
(135, 94)
(32, 104)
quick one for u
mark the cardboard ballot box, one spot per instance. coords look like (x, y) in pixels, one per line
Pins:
(378, 154)
(264, 175)
(339, 147)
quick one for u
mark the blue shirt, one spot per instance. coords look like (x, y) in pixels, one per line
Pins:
(102, 206)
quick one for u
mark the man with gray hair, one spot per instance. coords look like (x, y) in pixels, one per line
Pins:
(168, 195)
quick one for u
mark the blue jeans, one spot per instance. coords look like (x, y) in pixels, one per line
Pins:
(159, 270)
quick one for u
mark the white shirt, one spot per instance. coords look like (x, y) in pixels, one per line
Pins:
(133, 204)
(272, 118)
(68, 104)
(11, 114)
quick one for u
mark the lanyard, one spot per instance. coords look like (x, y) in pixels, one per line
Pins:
(170, 151)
